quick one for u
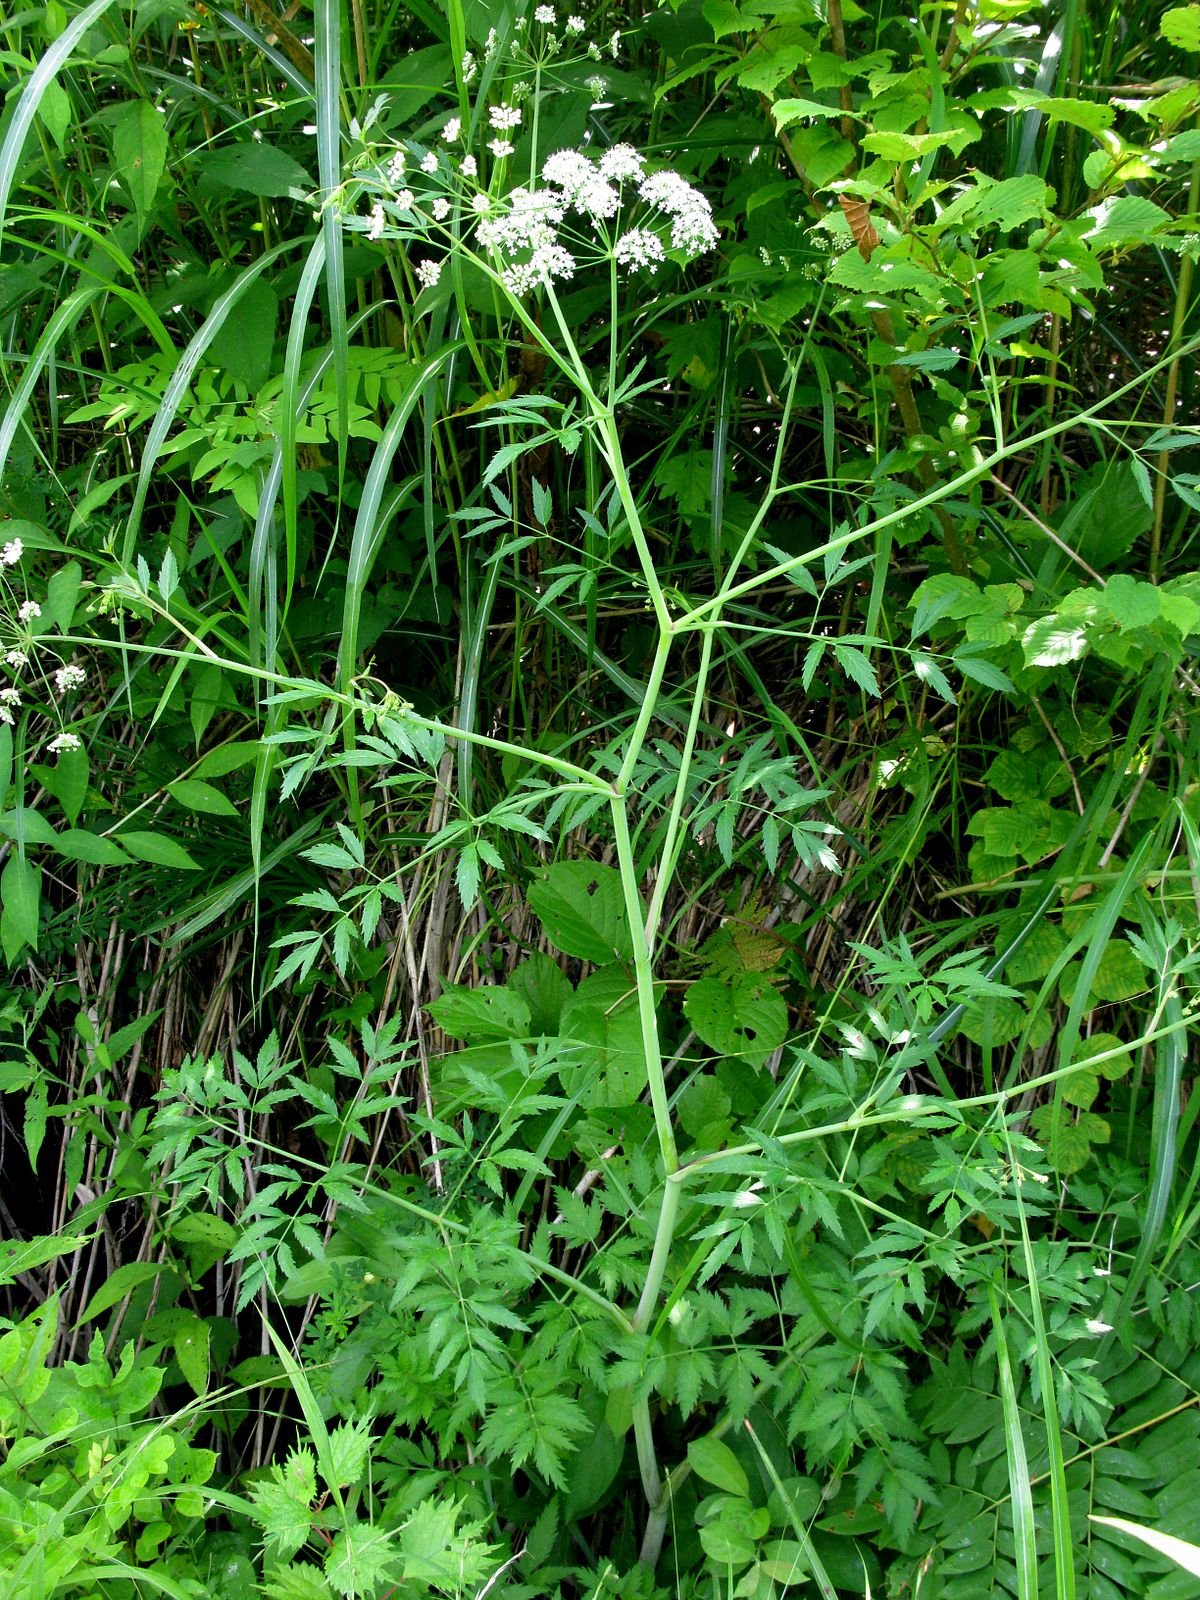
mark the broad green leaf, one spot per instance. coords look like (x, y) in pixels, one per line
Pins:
(743, 1016)
(197, 795)
(1126, 220)
(786, 112)
(604, 1059)
(157, 849)
(77, 844)
(140, 154)
(993, 1021)
(62, 592)
(1053, 641)
(26, 1255)
(124, 1280)
(253, 168)
(191, 1351)
(713, 1460)
(244, 342)
(486, 1012)
(545, 988)
(20, 897)
(1181, 26)
(725, 1543)
(199, 1227)
(582, 908)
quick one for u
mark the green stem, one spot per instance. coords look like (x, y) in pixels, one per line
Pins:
(644, 979)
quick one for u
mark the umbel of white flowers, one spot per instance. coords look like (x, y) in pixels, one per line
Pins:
(589, 208)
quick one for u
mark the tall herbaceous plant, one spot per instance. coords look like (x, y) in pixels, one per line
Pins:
(599, 817)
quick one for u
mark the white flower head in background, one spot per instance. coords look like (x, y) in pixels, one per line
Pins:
(12, 552)
(377, 221)
(395, 168)
(440, 209)
(65, 741)
(10, 696)
(452, 131)
(470, 167)
(429, 162)
(29, 610)
(544, 15)
(501, 148)
(575, 25)
(469, 68)
(428, 273)
(405, 200)
(68, 678)
(17, 659)
(504, 118)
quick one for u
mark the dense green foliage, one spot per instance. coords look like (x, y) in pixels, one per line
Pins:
(599, 829)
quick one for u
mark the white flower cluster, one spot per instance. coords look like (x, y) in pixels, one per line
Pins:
(12, 553)
(68, 678)
(603, 191)
(64, 741)
(10, 701)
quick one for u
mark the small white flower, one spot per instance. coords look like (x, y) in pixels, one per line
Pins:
(395, 168)
(469, 68)
(569, 170)
(69, 677)
(452, 130)
(480, 205)
(6, 717)
(10, 697)
(469, 166)
(29, 610)
(377, 222)
(620, 163)
(12, 552)
(545, 15)
(428, 273)
(429, 162)
(614, 44)
(64, 741)
(596, 87)
(405, 200)
(17, 659)
(492, 44)
(440, 209)
(593, 51)
(1094, 1325)
(501, 148)
(597, 199)
(640, 247)
(504, 118)
(575, 24)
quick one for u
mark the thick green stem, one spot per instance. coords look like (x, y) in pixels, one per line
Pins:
(644, 978)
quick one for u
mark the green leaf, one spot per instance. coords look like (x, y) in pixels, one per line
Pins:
(1181, 26)
(76, 844)
(1125, 220)
(140, 154)
(197, 795)
(716, 1463)
(545, 989)
(21, 898)
(743, 1016)
(582, 908)
(786, 112)
(488, 1012)
(26, 1255)
(604, 1061)
(62, 593)
(124, 1280)
(253, 168)
(1053, 641)
(245, 340)
(191, 1352)
(158, 850)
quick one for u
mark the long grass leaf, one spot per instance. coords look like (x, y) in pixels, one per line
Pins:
(31, 97)
(1018, 1465)
(327, 19)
